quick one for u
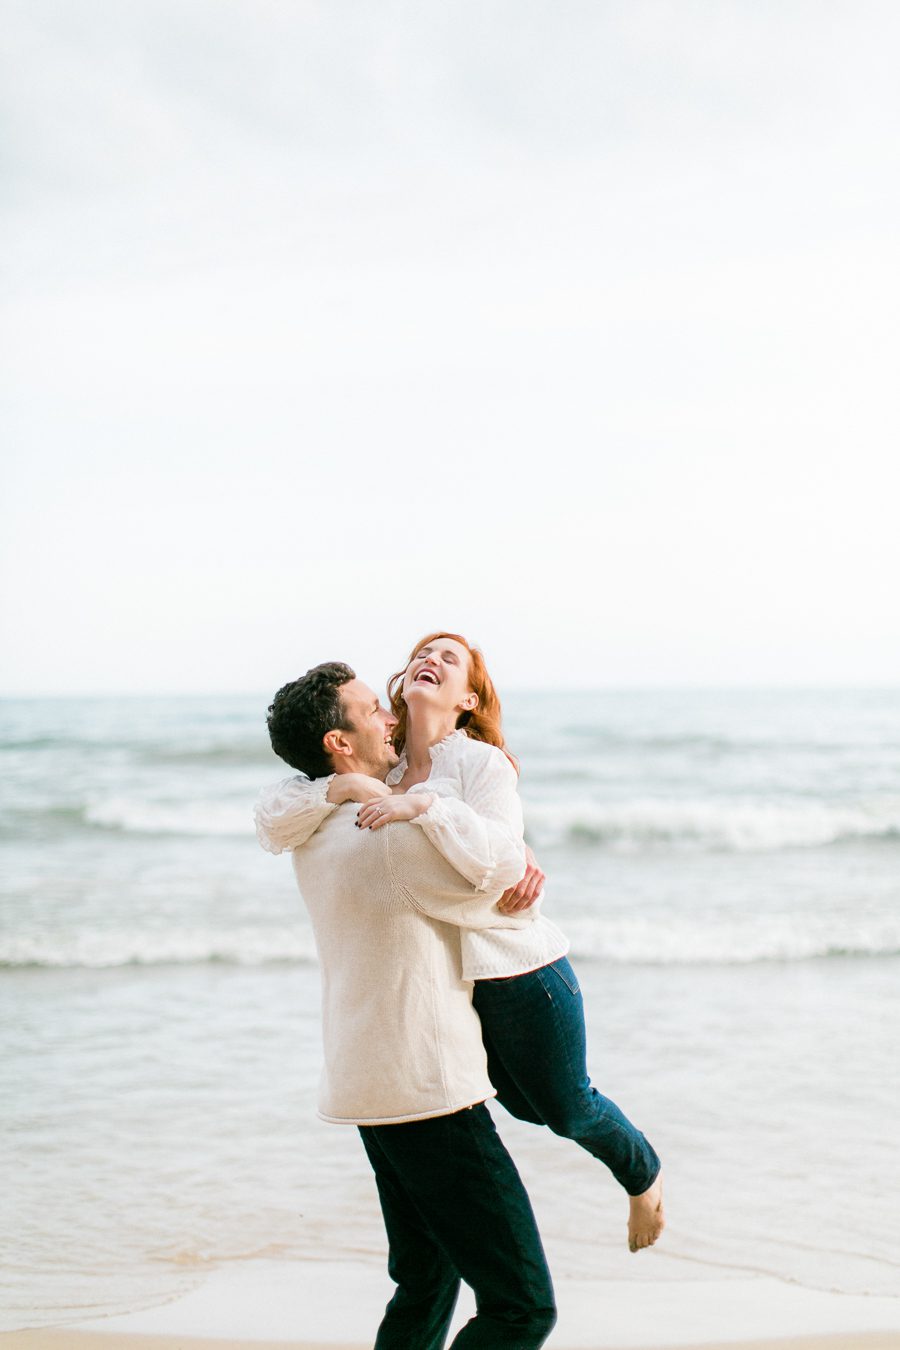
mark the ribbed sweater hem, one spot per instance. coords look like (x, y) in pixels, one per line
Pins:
(405, 1120)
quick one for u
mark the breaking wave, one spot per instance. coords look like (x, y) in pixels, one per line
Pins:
(98, 949)
(135, 816)
(642, 940)
(634, 826)
(720, 826)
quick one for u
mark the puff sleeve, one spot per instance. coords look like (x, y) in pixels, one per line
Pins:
(287, 813)
(481, 836)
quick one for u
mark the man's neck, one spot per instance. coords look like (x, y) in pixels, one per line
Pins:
(353, 765)
(423, 730)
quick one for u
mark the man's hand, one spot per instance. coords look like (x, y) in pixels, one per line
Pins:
(529, 888)
(355, 787)
(404, 807)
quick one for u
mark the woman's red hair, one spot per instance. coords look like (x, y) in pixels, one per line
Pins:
(483, 723)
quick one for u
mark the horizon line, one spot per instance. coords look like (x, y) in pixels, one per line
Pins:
(618, 688)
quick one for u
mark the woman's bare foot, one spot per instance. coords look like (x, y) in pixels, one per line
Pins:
(645, 1219)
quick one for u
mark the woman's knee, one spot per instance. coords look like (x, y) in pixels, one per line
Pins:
(574, 1116)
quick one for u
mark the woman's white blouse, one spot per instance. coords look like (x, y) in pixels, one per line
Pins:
(475, 821)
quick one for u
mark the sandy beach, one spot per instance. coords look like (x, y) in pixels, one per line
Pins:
(337, 1306)
(67, 1339)
(79, 1340)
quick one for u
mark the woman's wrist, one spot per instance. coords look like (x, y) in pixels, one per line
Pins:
(338, 789)
(423, 801)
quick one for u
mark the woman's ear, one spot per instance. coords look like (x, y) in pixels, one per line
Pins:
(470, 703)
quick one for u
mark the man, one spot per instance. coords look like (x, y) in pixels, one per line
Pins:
(404, 1060)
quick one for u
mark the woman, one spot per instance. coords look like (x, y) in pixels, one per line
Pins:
(457, 781)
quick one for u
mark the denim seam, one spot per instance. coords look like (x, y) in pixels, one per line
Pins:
(572, 988)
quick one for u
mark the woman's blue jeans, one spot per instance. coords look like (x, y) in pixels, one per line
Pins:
(533, 1030)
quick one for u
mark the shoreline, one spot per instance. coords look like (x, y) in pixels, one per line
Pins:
(337, 1305)
(61, 1339)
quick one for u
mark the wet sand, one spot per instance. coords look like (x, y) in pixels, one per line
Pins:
(92, 1340)
(323, 1305)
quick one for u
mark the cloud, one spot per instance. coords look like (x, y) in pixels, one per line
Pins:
(581, 310)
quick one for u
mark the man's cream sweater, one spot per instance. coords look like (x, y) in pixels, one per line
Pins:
(402, 1040)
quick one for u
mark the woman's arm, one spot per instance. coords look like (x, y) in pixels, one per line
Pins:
(289, 812)
(482, 835)
(528, 892)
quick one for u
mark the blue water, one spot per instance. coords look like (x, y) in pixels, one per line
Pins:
(727, 865)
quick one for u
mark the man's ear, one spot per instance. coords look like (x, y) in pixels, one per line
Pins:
(336, 743)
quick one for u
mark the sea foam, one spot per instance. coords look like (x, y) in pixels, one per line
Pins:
(633, 825)
(98, 948)
(696, 940)
(730, 826)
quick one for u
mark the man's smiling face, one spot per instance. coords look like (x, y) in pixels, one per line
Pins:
(369, 732)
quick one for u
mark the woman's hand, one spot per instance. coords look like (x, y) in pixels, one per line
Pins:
(404, 807)
(356, 787)
(529, 888)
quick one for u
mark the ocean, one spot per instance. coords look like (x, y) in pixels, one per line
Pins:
(726, 864)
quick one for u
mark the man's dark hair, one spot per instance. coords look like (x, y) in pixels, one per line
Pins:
(304, 711)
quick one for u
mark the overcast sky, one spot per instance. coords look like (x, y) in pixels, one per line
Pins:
(569, 326)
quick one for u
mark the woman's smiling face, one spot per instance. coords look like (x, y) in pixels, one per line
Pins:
(438, 675)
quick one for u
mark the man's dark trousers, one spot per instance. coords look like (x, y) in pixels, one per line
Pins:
(454, 1207)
